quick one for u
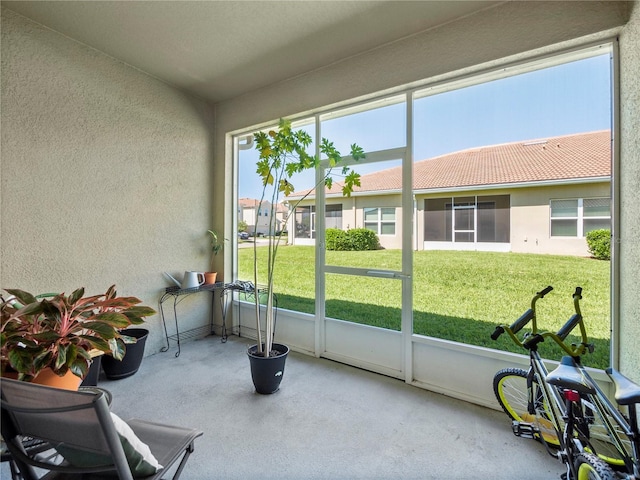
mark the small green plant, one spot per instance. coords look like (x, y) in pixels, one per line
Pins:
(599, 243)
(216, 246)
(355, 239)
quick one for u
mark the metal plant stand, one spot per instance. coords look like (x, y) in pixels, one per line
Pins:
(178, 294)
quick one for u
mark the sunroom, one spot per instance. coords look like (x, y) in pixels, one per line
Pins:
(125, 138)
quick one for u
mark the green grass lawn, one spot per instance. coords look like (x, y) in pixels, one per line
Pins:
(458, 296)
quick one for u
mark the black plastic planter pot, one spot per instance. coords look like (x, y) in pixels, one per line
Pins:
(116, 369)
(267, 372)
(91, 380)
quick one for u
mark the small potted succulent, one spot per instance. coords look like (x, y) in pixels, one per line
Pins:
(56, 334)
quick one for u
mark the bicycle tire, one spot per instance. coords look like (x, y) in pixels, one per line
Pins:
(591, 467)
(510, 389)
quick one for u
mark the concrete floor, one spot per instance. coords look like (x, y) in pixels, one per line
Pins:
(327, 421)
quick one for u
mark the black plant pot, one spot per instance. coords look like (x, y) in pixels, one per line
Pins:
(267, 372)
(91, 379)
(116, 369)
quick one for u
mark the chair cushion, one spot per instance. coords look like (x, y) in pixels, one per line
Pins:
(139, 457)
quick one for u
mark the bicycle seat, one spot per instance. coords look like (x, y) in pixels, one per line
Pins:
(567, 376)
(627, 392)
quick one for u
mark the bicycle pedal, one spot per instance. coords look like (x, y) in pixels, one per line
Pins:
(525, 430)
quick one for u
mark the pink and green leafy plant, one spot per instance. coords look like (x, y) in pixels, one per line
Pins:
(58, 331)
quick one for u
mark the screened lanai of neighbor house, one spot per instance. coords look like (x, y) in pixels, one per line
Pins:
(126, 132)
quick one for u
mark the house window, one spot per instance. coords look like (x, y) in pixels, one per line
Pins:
(467, 219)
(303, 222)
(306, 219)
(380, 220)
(333, 216)
(577, 217)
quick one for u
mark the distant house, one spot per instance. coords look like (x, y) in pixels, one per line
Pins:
(257, 217)
(539, 196)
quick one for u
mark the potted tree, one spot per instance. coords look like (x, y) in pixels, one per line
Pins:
(53, 336)
(282, 154)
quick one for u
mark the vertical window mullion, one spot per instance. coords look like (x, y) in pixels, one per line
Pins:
(580, 218)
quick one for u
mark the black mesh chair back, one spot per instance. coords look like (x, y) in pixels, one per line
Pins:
(80, 421)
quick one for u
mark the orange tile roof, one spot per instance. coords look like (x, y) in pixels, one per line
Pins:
(567, 157)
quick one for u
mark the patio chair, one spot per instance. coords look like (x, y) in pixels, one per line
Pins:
(85, 440)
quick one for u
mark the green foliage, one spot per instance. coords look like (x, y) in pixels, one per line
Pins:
(216, 245)
(355, 239)
(599, 243)
(336, 239)
(363, 239)
(58, 333)
(282, 154)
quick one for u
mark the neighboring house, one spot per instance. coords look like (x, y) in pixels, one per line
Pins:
(258, 217)
(539, 196)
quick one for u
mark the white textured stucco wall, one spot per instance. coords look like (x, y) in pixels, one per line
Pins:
(510, 31)
(629, 233)
(105, 173)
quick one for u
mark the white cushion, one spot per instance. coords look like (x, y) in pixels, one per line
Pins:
(139, 457)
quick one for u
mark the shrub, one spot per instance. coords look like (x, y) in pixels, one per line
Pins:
(599, 243)
(351, 240)
(363, 239)
(336, 239)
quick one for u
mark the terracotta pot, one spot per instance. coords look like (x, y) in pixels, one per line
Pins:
(66, 382)
(210, 278)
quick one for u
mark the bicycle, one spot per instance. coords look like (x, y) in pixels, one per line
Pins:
(565, 409)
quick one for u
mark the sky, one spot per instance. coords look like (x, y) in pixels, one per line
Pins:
(565, 99)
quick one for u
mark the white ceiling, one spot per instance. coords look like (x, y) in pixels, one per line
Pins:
(221, 49)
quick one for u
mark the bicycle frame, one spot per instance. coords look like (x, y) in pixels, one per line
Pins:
(551, 397)
(606, 409)
(563, 405)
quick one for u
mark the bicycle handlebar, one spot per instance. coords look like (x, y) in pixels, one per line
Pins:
(525, 318)
(534, 338)
(546, 290)
(570, 325)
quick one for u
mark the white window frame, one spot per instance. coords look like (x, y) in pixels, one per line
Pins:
(379, 222)
(579, 217)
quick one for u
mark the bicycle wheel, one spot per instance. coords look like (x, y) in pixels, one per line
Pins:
(510, 388)
(590, 467)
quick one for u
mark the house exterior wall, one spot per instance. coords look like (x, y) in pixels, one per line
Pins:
(105, 174)
(627, 237)
(381, 201)
(530, 219)
(248, 215)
